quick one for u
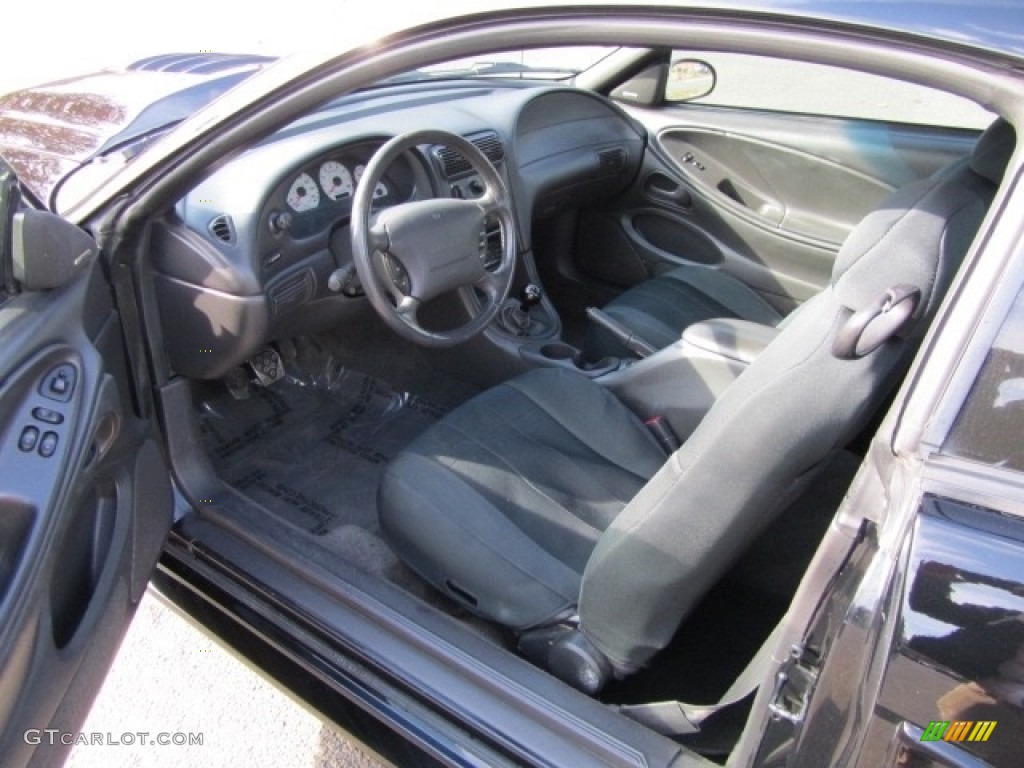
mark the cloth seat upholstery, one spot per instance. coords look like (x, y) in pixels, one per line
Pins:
(520, 482)
(660, 308)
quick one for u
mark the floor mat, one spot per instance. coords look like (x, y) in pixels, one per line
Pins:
(312, 447)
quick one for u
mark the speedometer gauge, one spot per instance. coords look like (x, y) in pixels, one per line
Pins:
(335, 180)
(303, 194)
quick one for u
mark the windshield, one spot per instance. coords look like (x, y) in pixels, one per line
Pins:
(533, 64)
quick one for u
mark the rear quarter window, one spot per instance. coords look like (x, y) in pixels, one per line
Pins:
(990, 427)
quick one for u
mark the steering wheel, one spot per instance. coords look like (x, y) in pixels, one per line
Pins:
(411, 253)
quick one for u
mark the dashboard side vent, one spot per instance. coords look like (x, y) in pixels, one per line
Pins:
(454, 164)
(223, 228)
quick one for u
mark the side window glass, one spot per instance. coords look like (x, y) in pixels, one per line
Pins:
(990, 428)
(783, 85)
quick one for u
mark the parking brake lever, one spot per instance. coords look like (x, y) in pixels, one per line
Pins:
(623, 335)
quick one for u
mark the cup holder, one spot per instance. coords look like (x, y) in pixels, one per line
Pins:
(558, 354)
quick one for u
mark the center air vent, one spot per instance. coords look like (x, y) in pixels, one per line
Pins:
(454, 164)
(223, 228)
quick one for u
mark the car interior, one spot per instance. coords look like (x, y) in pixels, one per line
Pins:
(578, 374)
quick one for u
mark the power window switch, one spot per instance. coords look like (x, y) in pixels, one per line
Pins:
(29, 438)
(48, 445)
(47, 415)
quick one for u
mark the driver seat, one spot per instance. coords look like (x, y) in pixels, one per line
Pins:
(545, 504)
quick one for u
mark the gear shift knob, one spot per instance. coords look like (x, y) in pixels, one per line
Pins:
(530, 297)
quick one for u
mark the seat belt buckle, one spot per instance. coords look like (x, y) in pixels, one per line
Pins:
(663, 433)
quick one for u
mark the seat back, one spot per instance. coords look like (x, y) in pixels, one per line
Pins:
(771, 431)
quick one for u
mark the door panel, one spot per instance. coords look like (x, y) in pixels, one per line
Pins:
(85, 504)
(768, 197)
(781, 188)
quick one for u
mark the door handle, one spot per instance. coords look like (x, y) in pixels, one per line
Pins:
(666, 189)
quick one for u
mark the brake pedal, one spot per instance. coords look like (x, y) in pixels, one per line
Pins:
(267, 365)
(237, 381)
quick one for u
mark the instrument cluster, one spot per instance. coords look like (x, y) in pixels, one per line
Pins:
(319, 194)
(334, 181)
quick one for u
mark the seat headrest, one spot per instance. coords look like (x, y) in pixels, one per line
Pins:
(992, 152)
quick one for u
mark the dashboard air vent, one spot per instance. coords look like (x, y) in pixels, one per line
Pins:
(454, 164)
(223, 228)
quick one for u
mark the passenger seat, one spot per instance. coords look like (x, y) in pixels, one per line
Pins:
(658, 310)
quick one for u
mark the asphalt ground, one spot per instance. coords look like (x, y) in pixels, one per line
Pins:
(199, 704)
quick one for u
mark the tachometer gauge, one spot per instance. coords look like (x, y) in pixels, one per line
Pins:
(303, 194)
(335, 180)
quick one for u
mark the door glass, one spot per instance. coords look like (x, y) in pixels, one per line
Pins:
(784, 85)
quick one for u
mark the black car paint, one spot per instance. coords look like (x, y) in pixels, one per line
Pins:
(50, 131)
(898, 645)
(961, 629)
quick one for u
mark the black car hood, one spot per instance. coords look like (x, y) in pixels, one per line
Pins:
(48, 131)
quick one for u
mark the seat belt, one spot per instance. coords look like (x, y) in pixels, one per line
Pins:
(677, 718)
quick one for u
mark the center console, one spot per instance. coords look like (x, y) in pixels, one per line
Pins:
(681, 382)
(530, 322)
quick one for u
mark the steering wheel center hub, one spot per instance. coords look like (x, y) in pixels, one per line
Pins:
(437, 242)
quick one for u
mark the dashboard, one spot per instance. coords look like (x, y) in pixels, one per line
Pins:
(261, 248)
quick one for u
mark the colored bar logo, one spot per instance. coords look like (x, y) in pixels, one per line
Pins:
(959, 730)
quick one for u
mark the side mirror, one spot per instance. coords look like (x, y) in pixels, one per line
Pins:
(39, 250)
(48, 251)
(689, 79)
